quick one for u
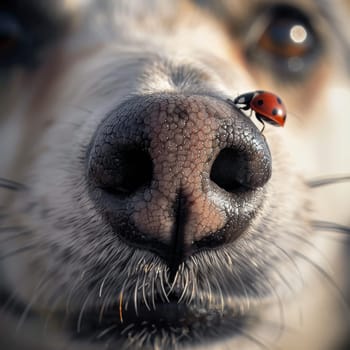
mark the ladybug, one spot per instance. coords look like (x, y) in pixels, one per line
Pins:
(267, 106)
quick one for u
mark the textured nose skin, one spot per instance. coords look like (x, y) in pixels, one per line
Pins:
(181, 142)
(174, 174)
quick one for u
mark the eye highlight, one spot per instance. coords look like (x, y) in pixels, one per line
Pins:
(284, 39)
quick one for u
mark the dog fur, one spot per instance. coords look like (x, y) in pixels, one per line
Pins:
(58, 256)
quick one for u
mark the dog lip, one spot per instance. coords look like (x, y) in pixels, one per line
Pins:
(162, 319)
(170, 313)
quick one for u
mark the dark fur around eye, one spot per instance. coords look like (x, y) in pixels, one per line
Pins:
(26, 29)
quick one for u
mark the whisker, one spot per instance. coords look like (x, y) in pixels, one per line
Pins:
(185, 288)
(327, 181)
(330, 227)
(135, 296)
(289, 258)
(71, 295)
(50, 315)
(10, 303)
(144, 296)
(328, 278)
(164, 294)
(38, 292)
(273, 325)
(106, 331)
(103, 282)
(313, 247)
(281, 325)
(83, 109)
(254, 339)
(18, 251)
(11, 185)
(82, 310)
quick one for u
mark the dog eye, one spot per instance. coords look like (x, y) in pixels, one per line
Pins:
(26, 31)
(10, 37)
(284, 39)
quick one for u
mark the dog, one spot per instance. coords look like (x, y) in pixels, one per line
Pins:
(142, 206)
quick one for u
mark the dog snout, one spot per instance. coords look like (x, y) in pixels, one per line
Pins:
(176, 174)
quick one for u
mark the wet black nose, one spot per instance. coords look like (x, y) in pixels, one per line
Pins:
(175, 174)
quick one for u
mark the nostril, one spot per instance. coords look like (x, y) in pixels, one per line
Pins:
(238, 171)
(229, 171)
(122, 172)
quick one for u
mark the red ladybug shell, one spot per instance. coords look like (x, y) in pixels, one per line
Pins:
(269, 108)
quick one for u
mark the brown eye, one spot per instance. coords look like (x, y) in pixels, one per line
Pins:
(287, 38)
(283, 39)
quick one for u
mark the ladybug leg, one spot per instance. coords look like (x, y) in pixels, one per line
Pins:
(263, 128)
(261, 121)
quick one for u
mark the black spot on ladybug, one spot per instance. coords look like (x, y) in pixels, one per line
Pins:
(279, 100)
(274, 111)
(260, 102)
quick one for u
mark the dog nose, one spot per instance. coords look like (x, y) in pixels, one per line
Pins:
(176, 174)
